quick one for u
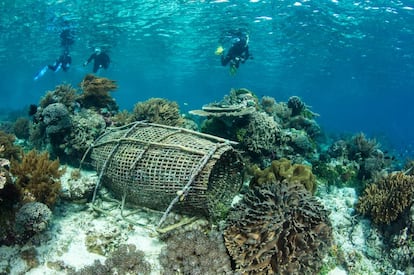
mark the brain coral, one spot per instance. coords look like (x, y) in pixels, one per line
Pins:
(278, 229)
(386, 199)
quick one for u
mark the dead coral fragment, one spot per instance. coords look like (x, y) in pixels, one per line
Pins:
(158, 110)
(283, 170)
(385, 200)
(37, 177)
(278, 229)
(96, 92)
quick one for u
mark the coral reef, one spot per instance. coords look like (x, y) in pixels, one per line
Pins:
(56, 119)
(127, 259)
(260, 134)
(194, 252)
(284, 170)
(32, 218)
(87, 126)
(96, 93)
(158, 110)
(21, 128)
(268, 105)
(385, 200)
(103, 241)
(278, 229)
(64, 94)
(9, 150)
(296, 105)
(37, 177)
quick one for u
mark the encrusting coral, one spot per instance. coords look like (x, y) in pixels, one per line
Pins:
(284, 170)
(278, 229)
(158, 110)
(385, 200)
(96, 93)
(37, 177)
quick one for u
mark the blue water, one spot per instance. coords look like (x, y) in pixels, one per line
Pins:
(352, 61)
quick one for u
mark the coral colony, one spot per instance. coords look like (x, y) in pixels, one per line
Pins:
(241, 186)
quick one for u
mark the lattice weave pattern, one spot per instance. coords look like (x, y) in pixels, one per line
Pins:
(150, 164)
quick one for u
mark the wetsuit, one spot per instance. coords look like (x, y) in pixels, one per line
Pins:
(100, 61)
(238, 52)
(63, 62)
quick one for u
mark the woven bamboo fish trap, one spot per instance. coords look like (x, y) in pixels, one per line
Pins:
(163, 167)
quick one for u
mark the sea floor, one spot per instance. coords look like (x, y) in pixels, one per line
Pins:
(77, 230)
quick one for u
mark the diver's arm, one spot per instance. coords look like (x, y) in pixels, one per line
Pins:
(89, 60)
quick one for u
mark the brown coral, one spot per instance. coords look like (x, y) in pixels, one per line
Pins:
(96, 93)
(386, 199)
(158, 110)
(278, 229)
(283, 170)
(37, 177)
(64, 94)
(9, 150)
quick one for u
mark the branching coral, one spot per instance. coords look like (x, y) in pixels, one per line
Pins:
(64, 94)
(9, 151)
(96, 93)
(284, 170)
(158, 110)
(278, 229)
(126, 260)
(194, 252)
(386, 199)
(37, 177)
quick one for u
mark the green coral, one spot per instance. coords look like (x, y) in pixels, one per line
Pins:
(37, 177)
(284, 170)
(385, 200)
(158, 110)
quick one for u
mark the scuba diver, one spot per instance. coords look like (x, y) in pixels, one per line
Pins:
(101, 60)
(64, 60)
(238, 51)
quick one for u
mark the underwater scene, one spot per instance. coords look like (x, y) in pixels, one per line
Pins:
(207, 137)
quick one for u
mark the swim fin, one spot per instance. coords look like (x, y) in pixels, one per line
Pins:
(41, 73)
(233, 69)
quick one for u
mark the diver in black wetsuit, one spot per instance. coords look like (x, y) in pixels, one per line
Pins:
(64, 61)
(101, 60)
(237, 53)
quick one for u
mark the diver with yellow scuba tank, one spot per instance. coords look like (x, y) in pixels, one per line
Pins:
(238, 51)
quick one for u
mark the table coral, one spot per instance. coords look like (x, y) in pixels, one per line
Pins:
(386, 199)
(278, 229)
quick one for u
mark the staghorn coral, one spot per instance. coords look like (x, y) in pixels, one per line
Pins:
(284, 170)
(194, 252)
(96, 93)
(385, 200)
(278, 229)
(37, 177)
(158, 110)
